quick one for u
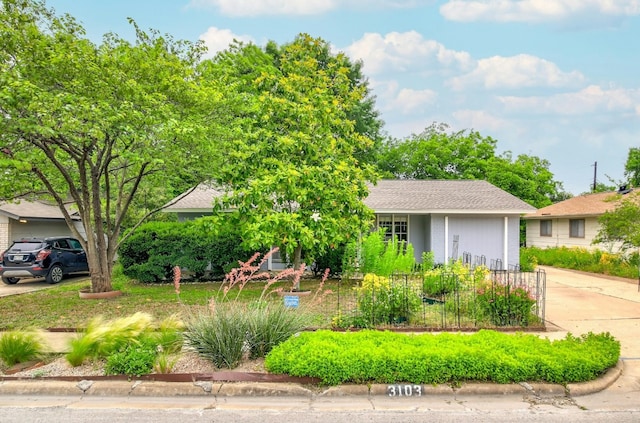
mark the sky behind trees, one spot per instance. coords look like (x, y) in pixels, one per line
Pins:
(557, 80)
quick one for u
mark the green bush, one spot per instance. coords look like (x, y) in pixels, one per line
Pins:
(151, 252)
(506, 305)
(382, 300)
(19, 347)
(383, 258)
(386, 357)
(132, 360)
(594, 261)
(331, 259)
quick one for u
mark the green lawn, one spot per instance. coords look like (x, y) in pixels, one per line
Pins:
(61, 306)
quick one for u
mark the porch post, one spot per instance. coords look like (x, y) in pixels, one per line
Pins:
(505, 247)
(446, 240)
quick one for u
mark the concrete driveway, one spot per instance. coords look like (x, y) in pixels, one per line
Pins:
(580, 303)
(36, 284)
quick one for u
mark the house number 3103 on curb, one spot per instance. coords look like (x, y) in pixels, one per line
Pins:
(404, 390)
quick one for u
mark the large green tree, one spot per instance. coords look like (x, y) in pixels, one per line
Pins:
(436, 153)
(297, 173)
(622, 224)
(91, 126)
(632, 167)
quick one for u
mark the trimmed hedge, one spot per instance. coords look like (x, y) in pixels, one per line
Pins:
(388, 357)
(150, 254)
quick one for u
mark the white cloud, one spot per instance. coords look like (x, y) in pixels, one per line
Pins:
(300, 7)
(518, 71)
(217, 39)
(267, 7)
(479, 120)
(590, 100)
(405, 101)
(405, 52)
(536, 10)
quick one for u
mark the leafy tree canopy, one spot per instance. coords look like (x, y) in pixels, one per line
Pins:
(632, 167)
(90, 126)
(438, 154)
(622, 224)
(297, 171)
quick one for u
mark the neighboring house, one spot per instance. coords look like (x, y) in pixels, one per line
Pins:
(28, 219)
(448, 217)
(572, 222)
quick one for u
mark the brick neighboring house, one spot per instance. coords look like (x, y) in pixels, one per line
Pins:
(448, 217)
(572, 222)
(28, 219)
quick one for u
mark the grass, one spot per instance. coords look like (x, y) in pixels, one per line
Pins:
(61, 307)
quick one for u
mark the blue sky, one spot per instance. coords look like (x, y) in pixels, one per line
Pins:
(557, 79)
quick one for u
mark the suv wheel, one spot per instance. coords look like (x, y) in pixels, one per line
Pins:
(55, 274)
(10, 281)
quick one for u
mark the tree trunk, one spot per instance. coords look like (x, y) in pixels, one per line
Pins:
(297, 262)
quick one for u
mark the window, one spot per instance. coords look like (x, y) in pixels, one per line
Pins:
(397, 226)
(576, 228)
(545, 227)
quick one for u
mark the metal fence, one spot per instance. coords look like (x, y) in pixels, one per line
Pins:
(440, 300)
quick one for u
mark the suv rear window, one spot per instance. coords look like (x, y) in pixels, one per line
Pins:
(26, 246)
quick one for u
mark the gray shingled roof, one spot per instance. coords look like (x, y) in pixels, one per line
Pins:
(31, 210)
(404, 196)
(199, 200)
(440, 196)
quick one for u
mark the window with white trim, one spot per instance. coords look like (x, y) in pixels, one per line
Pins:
(396, 225)
(576, 228)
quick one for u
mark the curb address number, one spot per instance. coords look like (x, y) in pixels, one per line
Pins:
(404, 390)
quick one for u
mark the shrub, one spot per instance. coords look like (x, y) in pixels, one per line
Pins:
(132, 360)
(383, 258)
(151, 252)
(505, 305)
(385, 357)
(19, 347)
(381, 300)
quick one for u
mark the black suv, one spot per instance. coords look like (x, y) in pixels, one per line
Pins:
(52, 258)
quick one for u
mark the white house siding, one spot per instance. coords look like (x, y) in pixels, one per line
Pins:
(418, 235)
(560, 235)
(477, 235)
(40, 229)
(5, 233)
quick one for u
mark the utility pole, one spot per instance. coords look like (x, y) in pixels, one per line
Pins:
(595, 174)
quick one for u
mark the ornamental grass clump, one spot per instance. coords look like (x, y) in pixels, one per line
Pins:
(230, 330)
(19, 347)
(102, 340)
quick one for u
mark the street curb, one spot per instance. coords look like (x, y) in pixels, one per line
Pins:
(147, 388)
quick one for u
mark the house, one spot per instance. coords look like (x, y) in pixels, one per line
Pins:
(448, 217)
(28, 219)
(572, 222)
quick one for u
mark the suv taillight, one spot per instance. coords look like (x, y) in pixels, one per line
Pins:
(43, 254)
